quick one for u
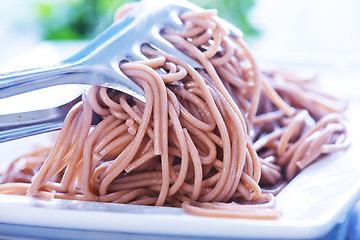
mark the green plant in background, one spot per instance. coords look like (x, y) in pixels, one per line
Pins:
(75, 19)
(234, 11)
(84, 19)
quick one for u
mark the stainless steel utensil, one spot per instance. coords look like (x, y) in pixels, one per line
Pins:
(96, 64)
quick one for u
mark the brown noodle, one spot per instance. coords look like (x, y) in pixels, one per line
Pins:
(218, 141)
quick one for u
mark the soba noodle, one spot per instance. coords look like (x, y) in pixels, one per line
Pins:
(217, 141)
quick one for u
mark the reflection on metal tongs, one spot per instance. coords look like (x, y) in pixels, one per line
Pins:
(96, 64)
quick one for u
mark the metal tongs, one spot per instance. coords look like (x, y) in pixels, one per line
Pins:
(96, 64)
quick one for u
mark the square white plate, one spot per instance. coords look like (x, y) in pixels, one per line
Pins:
(313, 203)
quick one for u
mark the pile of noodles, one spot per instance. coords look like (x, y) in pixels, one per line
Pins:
(218, 141)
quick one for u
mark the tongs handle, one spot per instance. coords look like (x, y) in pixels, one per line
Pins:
(18, 82)
(19, 125)
(93, 65)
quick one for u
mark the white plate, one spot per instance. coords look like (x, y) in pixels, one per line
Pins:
(318, 199)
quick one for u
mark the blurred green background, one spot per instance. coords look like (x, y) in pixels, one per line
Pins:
(282, 31)
(84, 19)
(304, 33)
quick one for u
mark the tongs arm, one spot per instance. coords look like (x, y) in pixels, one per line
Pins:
(13, 83)
(19, 125)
